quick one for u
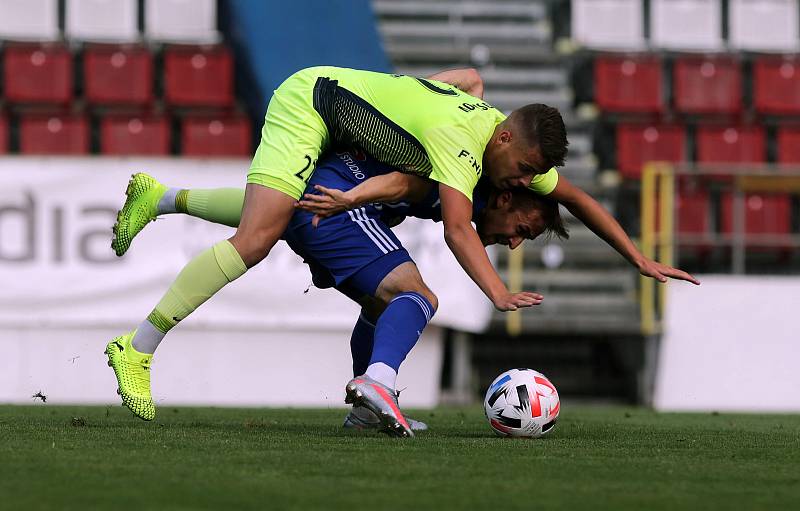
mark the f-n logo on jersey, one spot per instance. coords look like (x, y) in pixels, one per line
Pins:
(472, 161)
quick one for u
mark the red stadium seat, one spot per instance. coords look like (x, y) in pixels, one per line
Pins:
(198, 76)
(37, 74)
(692, 218)
(764, 214)
(728, 144)
(134, 135)
(692, 214)
(776, 84)
(693, 226)
(3, 134)
(118, 75)
(53, 134)
(628, 84)
(707, 85)
(789, 144)
(211, 136)
(640, 143)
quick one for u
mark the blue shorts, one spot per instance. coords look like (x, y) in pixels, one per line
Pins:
(352, 251)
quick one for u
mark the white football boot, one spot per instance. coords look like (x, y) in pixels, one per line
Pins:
(362, 418)
(380, 400)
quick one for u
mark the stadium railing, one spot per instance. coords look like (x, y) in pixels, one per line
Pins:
(736, 185)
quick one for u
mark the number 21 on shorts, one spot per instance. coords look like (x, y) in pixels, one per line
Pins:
(304, 174)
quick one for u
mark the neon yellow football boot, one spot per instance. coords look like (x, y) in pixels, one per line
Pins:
(141, 208)
(133, 375)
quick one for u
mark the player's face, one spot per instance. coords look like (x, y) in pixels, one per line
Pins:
(510, 164)
(503, 226)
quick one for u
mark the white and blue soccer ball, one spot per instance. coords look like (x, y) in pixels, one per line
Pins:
(522, 403)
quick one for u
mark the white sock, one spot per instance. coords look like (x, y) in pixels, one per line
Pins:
(147, 338)
(166, 204)
(382, 373)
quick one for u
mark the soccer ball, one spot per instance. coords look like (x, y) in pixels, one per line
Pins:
(523, 403)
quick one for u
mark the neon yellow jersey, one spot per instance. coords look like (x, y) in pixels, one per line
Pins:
(544, 184)
(419, 126)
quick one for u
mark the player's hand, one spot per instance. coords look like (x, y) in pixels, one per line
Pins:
(514, 301)
(661, 272)
(328, 202)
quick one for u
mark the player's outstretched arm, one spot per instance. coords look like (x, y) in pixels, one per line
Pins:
(390, 187)
(596, 218)
(467, 80)
(471, 254)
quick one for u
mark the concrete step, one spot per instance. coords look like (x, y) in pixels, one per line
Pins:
(576, 123)
(581, 170)
(455, 53)
(473, 31)
(502, 77)
(579, 311)
(619, 281)
(603, 195)
(591, 303)
(575, 256)
(580, 142)
(540, 320)
(508, 100)
(449, 9)
(582, 251)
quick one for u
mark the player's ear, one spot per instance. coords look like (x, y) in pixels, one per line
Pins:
(505, 137)
(504, 199)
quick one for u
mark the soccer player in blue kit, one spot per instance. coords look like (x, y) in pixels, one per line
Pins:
(357, 253)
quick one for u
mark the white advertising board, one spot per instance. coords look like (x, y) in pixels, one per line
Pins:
(731, 344)
(57, 268)
(61, 285)
(207, 367)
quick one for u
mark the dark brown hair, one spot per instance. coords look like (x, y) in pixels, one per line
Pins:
(522, 198)
(541, 124)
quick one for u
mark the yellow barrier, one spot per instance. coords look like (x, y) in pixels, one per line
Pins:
(516, 261)
(657, 182)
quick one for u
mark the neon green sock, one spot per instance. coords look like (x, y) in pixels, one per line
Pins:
(197, 282)
(218, 205)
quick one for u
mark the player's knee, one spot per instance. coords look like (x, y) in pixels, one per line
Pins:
(420, 290)
(253, 246)
(434, 301)
(405, 279)
(419, 287)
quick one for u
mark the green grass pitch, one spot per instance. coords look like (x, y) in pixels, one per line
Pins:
(205, 458)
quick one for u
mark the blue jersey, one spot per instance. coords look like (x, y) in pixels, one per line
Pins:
(346, 170)
(354, 250)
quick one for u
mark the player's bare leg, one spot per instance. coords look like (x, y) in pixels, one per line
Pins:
(411, 305)
(265, 215)
(361, 344)
(404, 279)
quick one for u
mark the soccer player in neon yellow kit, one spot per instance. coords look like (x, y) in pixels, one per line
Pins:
(432, 127)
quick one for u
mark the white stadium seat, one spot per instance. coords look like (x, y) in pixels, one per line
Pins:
(102, 20)
(610, 24)
(184, 21)
(34, 20)
(686, 24)
(763, 25)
